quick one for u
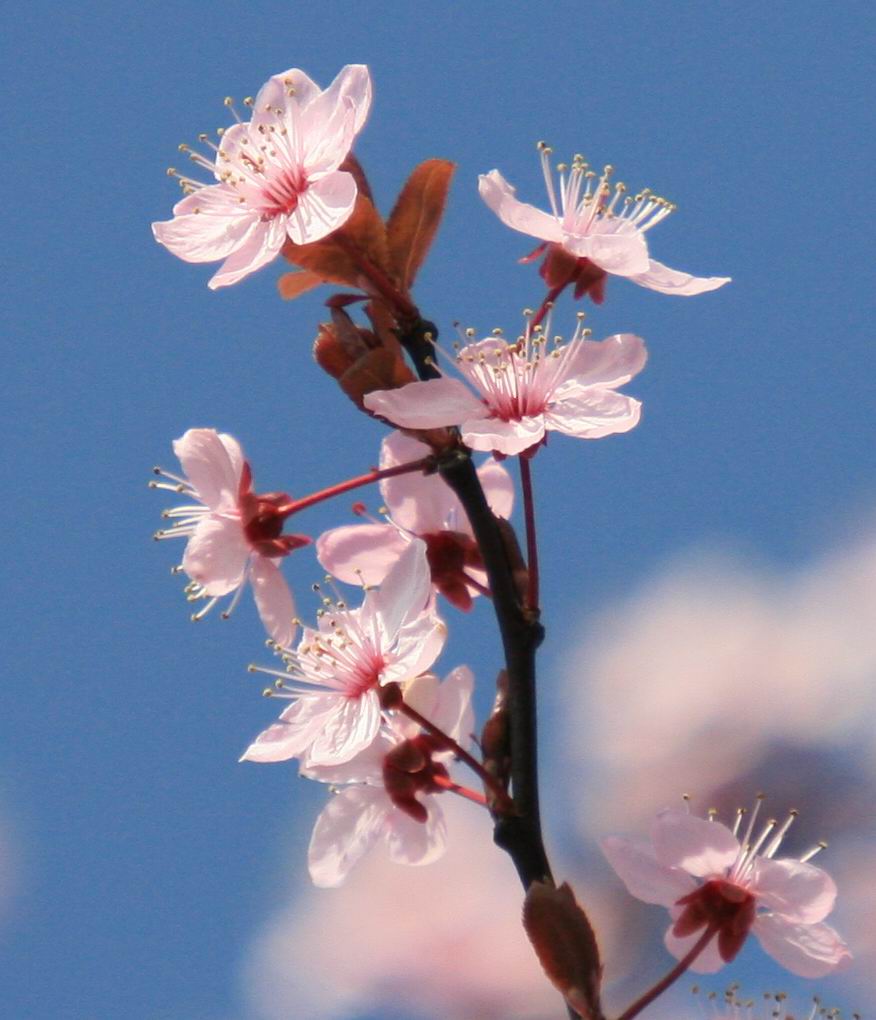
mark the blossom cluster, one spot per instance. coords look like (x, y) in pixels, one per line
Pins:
(363, 710)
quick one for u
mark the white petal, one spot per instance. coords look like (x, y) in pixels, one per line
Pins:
(273, 599)
(452, 711)
(413, 842)
(262, 244)
(426, 405)
(206, 226)
(498, 487)
(672, 281)
(797, 890)
(297, 728)
(645, 878)
(348, 826)
(326, 205)
(405, 591)
(508, 437)
(212, 463)
(699, 847)
(810, 950)
(350, 91)
(620, 253)
(588, 413)
(606, 363)
(417, 502)
(501, 197)
(350, 729)
(216, 555)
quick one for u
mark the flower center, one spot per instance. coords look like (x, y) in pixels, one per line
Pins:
(722, 905)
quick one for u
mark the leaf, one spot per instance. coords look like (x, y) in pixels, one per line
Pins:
(414, 220)
(292, 285)
(565, 945)
(379, 369)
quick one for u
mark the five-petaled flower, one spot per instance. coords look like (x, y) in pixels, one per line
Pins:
(714, 881)
(334, 676)
(278, 176)
(591, 232)
(525, 390)
(418, 506)
(234, 534)
(391, 783)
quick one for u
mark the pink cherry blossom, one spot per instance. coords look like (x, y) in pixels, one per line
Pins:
(233, 533)
(421, 506)
(333, 678)
(591, 232)
(525, 390)
(708, 877)
(390, 785)
(278, 176)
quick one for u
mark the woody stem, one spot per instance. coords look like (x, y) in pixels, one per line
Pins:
(423, 464)
(449, 744)
(672, 976)
(531, 539)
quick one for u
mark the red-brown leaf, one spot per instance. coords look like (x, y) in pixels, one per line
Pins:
(565, 945)
(291, 285)
(379, 369)
(414, 220)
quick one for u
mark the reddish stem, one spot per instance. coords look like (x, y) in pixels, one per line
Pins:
(549, 299)
(353, 483)
(503, 801)
(531, 539)
(462, 791)
(672, 976)
(482, 588)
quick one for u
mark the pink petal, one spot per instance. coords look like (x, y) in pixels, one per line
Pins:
(262, 244)
(326, 205)
(699, 847)
(416, 843)
(672, 281)
(360, 553)
(426, 405)
(216, 555)
(809, 950)
(508, 437)
(365, 767)
(708, 962)
(347, 828)
(212, 463)
(800, 892)
(288, 91)
(207, 225)
(350, 729)
(498, 487)
(273, 599)
(420, 503)
(622, 254)
(590, 413)
(405, 591)
(606, 363)
(645, 878)
(298, 726)
(500, 196)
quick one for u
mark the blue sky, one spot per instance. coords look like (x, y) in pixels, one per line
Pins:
(144, 857)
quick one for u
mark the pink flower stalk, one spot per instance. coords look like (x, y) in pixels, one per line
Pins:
(525, 390)
(590, 232)
(333, 678)
(234, 534)
(390, 785)
(418, 506)
(278, 175)
(712, 880)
